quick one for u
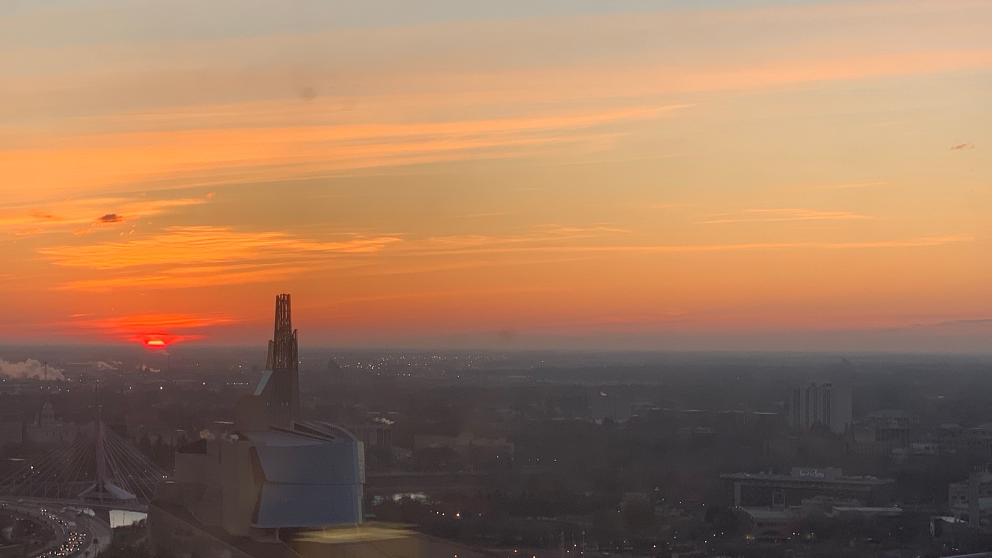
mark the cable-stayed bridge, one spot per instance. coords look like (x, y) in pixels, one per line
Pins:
(97, 468)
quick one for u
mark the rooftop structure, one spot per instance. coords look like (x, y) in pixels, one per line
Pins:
(251, 484)
(771, 489)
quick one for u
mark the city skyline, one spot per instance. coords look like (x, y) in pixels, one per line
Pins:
(752, 176)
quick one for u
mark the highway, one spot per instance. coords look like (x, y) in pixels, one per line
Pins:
(77, 535)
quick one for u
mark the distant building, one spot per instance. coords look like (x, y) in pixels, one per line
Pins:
(467, 446)
(605, 406)
(953, 438)
(820, 404)
(766, 523)
(890, 425)
(596, 406)
(915, 450)
(770, 489)
(887, 432)
(47, 431)
(781, 522)
(378, 433)
(978, 438)
(969, 500)
(377, 439)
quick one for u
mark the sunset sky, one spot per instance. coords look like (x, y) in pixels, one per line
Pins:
(457, 173)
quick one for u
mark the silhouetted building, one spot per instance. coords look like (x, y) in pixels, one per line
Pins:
(280, 385)
(47, 431)
(377, 439)
(820, 404)
(604, 406)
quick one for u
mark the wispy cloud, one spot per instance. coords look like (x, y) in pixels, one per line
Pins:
(205, 255)
(183, 257)
(486, 247)
(784, 214)
(231, 154)
(963, 146)
(89, 213)
(561, 231)
(851, 185)
(205, 245)
(223, 109)
(190, 277)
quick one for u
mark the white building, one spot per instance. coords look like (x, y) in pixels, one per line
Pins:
(969, 500)
(822, 404)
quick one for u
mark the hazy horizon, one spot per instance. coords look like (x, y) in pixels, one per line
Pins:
(764, 175)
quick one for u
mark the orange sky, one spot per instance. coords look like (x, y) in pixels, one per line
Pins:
(683, 175)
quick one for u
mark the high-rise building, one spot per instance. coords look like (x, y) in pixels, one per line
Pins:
(820, 404)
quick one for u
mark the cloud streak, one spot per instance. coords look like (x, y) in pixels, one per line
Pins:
(907, 243)
(205, 245)
(190, 257)
(852, 185)
(785, 214)
(223, 155)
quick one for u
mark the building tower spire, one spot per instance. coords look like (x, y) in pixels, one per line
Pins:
(280, 387)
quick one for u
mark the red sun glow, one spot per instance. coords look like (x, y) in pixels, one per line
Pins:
(156, 340)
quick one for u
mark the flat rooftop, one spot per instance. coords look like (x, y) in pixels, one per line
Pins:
(783, 478)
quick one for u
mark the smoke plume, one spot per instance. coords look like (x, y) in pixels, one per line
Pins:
(29, 368)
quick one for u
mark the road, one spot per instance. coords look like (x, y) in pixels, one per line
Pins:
(77, 535)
